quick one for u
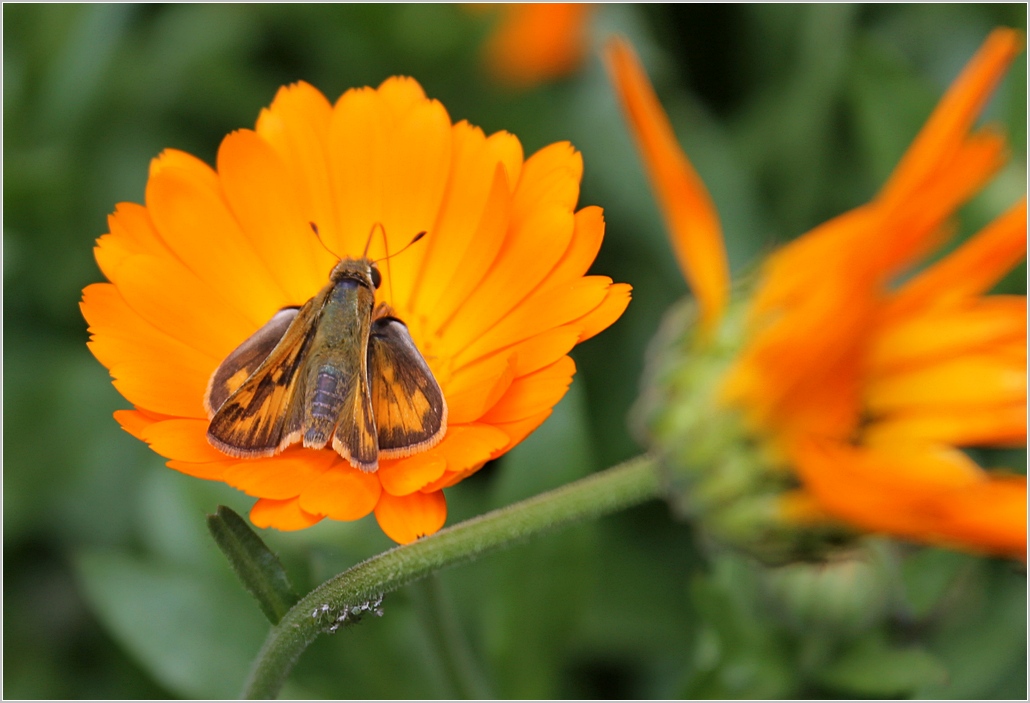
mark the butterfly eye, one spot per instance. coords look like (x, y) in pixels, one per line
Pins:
(377, 277)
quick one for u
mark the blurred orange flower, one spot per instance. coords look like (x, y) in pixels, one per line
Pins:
(537, 42)
(494, 297)
(865, 388)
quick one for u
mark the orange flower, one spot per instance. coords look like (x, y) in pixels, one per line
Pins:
(864, 388)
(495, 296)
(536, 42)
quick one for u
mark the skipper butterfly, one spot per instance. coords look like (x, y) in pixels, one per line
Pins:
(338, 369)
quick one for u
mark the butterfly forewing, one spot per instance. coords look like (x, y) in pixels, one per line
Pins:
(409, 408)
(264, 414)
(245, 359)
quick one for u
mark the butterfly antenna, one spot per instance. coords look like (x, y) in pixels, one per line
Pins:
(402, 249)
(371, 234)
(318, 236)
(390, 256)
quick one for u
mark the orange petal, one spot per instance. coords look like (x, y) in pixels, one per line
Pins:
(543, 350)
(476, 178)
(472, 448)
(944, 132)
(688, 210)
(991, 517)
(506, 149)
(155, 387)
(929, 495)
(114, 325)
(938, 333)
(131, 221)
(131, 232)
(173, 300)
(518, 430)
(538, 41)
(190, 213)
(401, 94)
(150, 368)
(532, 394)
(471, 445)
(182, 439)
(970, 270)
(264, 201)
(297, 127)
(175, 161)
(586, 243)
(464, 246)
(550, 177)
(358, 136)
(914, 225)
(415, 173)
(449, 479)
(283, 476)
(405, 519)
(209, 470)
(407, 475)
(604, 315)
(130, 348)
(540, 229)
(285, 515)
(526, 257)
(992, 425)
(547, 308)
(342, 493)
(476, 388)
(136, 421)
(971, 380)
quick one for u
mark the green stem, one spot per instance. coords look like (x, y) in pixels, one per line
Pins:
(602, 493)
(453, 651)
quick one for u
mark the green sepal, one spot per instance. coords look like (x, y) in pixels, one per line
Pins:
(257, 566)
(873, 667)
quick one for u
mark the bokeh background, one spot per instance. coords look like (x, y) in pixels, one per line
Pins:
(112, 587)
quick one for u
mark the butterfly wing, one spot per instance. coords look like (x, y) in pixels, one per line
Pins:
(245, 359)
(263, 413)
(409, 408)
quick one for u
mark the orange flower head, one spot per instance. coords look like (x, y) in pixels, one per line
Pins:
(858, 391)
(494, 296)
(537, 42)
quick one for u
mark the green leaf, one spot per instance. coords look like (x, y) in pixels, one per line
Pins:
(981, 634)
(739, 652)
(536, 620)
(194, 634)
(257, 566)
(926, 576)
(874, 668)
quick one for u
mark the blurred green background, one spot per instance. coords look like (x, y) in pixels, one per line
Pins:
(112, 587)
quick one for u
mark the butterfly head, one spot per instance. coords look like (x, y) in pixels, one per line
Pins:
(362, 270)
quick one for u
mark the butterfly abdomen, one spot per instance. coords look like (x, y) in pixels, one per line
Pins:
(323, 409)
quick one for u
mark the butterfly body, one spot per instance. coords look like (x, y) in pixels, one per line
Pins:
(339, 370)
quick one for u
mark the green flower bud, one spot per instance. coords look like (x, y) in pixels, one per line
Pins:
(718, 474)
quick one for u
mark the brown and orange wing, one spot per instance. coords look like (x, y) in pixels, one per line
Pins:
(408, 405)
(262, 413)
(245, 360)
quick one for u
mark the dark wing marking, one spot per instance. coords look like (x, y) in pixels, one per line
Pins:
(264, 415)
(410, 412)
(245, 359)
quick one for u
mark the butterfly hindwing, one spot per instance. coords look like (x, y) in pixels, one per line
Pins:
(264, 414)
(407, 403)
(354, 436)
